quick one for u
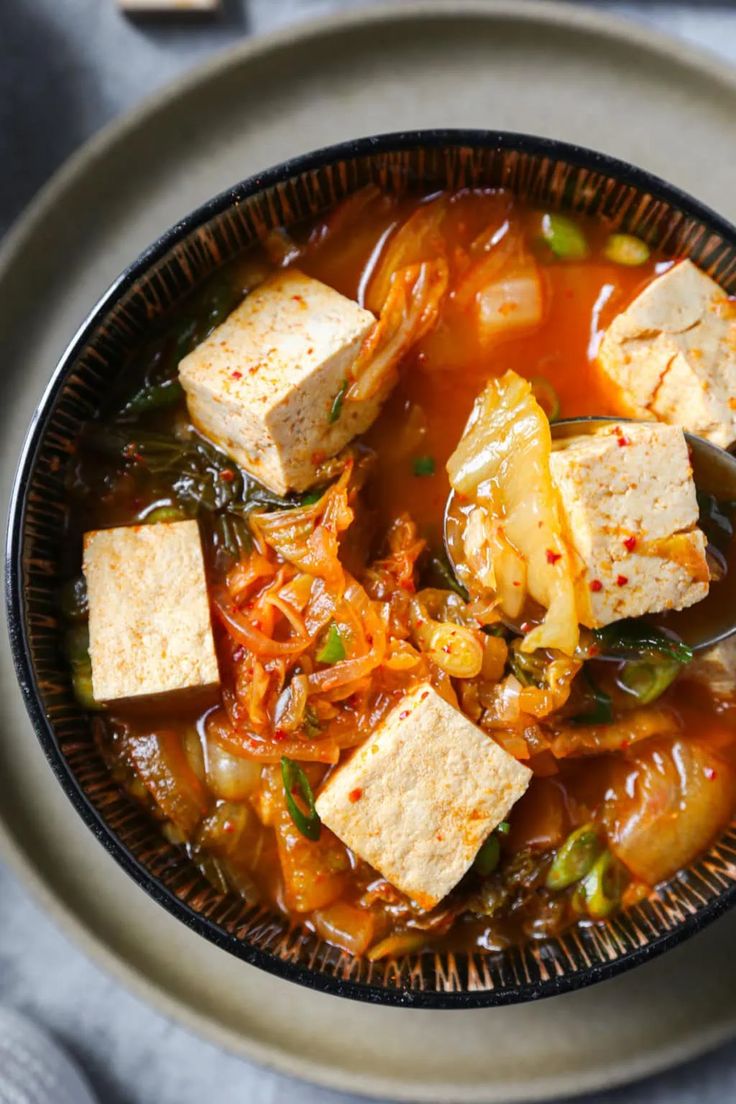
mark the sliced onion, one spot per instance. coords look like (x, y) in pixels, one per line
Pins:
(229, 776)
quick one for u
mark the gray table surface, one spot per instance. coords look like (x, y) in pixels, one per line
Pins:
(66, 68)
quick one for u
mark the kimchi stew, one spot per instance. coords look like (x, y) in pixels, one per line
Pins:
(278, 658)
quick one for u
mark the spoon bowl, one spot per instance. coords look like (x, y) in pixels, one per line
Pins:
(714, 470)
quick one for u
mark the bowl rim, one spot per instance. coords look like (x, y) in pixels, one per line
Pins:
(569, 153)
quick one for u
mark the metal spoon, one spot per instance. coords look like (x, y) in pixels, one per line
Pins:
(714, 470)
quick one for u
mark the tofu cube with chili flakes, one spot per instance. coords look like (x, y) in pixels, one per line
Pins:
(630, 513)
(149, 616)
(420, 796)
(672, 353)
(268, 384)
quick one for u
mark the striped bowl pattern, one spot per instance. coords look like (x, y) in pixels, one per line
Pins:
(543, 173)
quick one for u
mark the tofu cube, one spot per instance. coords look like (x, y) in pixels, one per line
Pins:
(266, 384)
(672, 353)
(149, 617)
(420, 796)
(715, 668)
(629, 508)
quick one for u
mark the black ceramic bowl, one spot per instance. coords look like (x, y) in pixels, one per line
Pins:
(545, 173)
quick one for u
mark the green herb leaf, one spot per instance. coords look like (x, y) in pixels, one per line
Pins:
(310, 498)
(296, 781)
(599, 707)
(333, 648)
(636, 639)
(564, 237)
(339, 399)
(155, 396)
(438, 572)
(574, 858)
(423, 466)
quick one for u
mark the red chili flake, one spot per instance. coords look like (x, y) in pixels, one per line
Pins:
(403, 714)
(439, 837)
(516, 582)
(280, 734)
(630, 543)
(596, 585)
(227, 474)
(447, 648)
(424, 695)
(553, 557)
(593, 650)
(709, 773)
(228, 826)
(236, 375)
(525, 626)
(622, 441)
(355, 795)
(622, 580)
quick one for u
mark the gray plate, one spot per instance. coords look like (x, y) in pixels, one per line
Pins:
(539, 67)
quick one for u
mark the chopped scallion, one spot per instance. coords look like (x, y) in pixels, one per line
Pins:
(564, 237)
(575, 858)
(333, 648)
(625, 249)
(646, 680)
(339, 399)
(424, 465)
(599, 892)
(296, 781)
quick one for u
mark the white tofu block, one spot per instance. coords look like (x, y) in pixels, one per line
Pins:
(166, 7)
(420, 796)
(673, 354)
(715, 668)
(630, 511)
(264, 384)
(149, 616)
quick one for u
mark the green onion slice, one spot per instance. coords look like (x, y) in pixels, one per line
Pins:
(599, 893)
(424, 465)
(488, 856)
(339, 399)
(646, 681)
(575, 858)
(564, 237)
(636, 639)
(333, 649)
(625, 249)
(296, 781)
